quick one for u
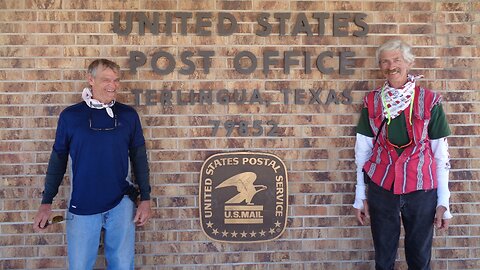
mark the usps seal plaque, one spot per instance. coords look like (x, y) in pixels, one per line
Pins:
(243, 197)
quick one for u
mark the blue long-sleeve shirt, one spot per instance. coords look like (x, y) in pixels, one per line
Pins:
(100, 148)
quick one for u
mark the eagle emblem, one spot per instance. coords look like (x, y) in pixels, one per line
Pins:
(244, 182)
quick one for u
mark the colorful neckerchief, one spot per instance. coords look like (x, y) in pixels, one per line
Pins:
(95, 104)
(395, 100)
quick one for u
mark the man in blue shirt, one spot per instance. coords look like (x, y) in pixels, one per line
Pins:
(104, 141)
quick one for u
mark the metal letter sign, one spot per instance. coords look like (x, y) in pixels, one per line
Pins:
(243, 197)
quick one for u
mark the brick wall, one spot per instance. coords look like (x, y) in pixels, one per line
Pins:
(45, 46)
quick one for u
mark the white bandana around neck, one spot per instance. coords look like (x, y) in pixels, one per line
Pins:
(95, 104)
(395, 100)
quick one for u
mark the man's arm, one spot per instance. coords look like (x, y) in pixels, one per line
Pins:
(138, 157)
(438, 130)
(363, 151)
(442, 160)
(57, 166)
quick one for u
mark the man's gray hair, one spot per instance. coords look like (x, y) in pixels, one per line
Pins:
(105, 63)
(396, 44)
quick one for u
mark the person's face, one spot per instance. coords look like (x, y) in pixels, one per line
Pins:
(394, 68)
(105, 84)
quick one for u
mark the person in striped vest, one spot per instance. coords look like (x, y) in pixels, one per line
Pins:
(402, 160)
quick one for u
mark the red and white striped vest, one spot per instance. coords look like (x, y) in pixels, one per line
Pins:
(415, 168)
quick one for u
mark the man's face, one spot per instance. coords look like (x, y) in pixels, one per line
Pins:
(105, 84)
(394, 67)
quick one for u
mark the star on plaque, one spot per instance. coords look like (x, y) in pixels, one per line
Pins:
(234, 234)
(253, 234)
(244, 234)
(225, 233)
(209, 224)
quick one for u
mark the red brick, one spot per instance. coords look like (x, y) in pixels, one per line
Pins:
(233, 5)
(12, 264)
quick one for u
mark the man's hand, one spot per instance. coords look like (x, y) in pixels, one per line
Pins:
(143, 213)
(362, 214)
(42, 216)
(439, 222)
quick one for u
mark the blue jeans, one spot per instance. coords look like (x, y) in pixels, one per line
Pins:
(83, 237)
(417, 211)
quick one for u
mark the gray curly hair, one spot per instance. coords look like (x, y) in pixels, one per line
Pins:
(396, 44)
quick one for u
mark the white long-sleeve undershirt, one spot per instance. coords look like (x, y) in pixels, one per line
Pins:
(363, 151)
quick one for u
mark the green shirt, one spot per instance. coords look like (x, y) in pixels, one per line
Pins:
(397, 130)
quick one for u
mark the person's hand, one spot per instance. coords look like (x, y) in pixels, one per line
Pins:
(362, 214)
(143, 213)
(42, 216)
(439, 222)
